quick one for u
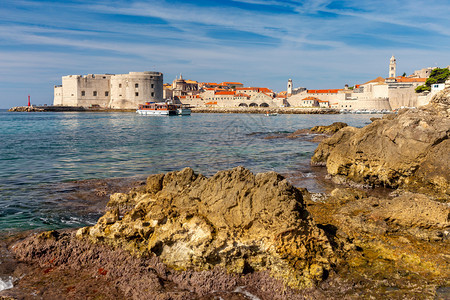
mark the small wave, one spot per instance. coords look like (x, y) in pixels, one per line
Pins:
(6, 284)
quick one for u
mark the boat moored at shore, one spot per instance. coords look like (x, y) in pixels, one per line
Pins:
(154, 108)
(183, 110)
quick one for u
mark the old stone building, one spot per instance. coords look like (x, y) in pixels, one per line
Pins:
(121, 91)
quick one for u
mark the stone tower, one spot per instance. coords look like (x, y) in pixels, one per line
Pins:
(289, 87)
(392, 67)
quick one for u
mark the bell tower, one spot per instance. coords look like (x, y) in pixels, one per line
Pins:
(289, 87)
(392, 67)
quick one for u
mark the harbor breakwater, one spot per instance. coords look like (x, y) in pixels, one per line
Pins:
(51, 108)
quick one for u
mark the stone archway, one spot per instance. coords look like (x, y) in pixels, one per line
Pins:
(243, 105)
(253, 105)
(264, 104)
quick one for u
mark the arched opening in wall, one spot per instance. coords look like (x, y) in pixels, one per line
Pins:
(243, 105)
(264, 105)
(253, 105)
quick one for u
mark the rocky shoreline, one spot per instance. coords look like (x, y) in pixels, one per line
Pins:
(238, 235)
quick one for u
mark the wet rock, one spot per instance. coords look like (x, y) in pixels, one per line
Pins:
(333, 128)
(235, 219)
(409, 150)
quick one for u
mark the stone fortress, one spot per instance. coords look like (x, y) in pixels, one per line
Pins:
(121, 91)
(127, 91)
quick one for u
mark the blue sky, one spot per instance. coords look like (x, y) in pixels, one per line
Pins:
(319, 44)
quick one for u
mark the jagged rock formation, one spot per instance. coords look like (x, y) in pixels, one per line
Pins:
(409, 150)
(236, 220)
(335, 127)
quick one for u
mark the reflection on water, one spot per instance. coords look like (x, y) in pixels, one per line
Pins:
(39, 150)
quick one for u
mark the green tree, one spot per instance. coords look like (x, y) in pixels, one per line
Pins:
(438, 75)
(422, 88)
(404, 74)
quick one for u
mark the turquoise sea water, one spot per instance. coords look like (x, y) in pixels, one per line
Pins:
(40, 151)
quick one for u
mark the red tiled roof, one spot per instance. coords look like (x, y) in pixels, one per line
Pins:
(225, 93)
(378, 79)
(311, 98)
(404, 79)
(246, 88)
(333, 91)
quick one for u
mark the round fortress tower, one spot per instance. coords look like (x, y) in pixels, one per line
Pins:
(130, 90)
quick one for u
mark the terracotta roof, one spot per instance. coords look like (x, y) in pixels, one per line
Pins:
(211, 103)
(311, 98)
(404, 79)
(323, 100)
(225, 93)
(256, 89)
(378, 79)
(265, 90)
(334, 91)
(246, 88)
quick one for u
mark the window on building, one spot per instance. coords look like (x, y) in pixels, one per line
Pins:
(83, 93)
(95, 93)
(106, 93)
(153, 85)
(120, 85)
(137, 94)
(136, 85)
(153, 94)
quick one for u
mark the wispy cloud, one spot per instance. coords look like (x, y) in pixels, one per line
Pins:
(318, 43)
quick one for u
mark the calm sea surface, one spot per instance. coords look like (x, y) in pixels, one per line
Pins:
(39, 152)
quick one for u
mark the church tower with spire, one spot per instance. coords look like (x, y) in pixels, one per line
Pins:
(392, 67)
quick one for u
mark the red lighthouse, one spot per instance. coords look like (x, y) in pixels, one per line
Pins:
(29, 104)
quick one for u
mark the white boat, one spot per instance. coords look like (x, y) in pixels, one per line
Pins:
(154, 108)
(183, 110)
(271, 114)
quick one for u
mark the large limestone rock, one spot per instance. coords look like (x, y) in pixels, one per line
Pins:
(235, 219)
(410, 150)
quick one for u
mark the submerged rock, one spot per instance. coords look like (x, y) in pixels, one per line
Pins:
(235, 220)
(409, 150)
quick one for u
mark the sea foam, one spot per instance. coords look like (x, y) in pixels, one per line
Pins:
(6, 284)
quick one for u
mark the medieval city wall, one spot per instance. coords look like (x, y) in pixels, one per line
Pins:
(406, 97)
